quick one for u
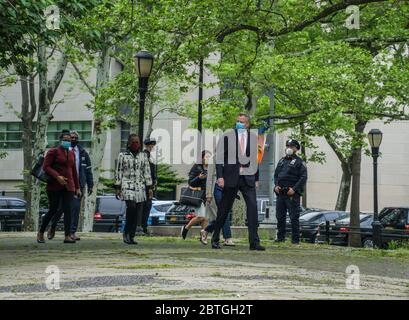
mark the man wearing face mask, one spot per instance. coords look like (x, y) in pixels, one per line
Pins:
(237, 170)
(290, 177)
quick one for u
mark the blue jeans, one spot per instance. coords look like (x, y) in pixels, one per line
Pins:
(226, 227)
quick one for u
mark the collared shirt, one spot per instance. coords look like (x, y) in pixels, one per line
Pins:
(77, 158)
(242, 133)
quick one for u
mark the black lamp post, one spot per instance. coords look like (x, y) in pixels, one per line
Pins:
(143, 63)
(375, 139)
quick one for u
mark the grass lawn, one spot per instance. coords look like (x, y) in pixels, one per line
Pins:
(101, 266)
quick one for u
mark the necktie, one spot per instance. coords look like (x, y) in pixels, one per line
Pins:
(242, 146)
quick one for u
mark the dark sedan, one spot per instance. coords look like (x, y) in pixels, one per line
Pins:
(394, 221)
(12, 213)
(338, 231)
(180, 214)
(310, 221)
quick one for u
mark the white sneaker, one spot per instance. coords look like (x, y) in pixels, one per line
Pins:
(203, 236)
(229, 242)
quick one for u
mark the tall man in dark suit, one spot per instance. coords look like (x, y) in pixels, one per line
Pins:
(237, 169)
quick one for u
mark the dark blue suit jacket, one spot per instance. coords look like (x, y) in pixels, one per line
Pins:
(228, 154)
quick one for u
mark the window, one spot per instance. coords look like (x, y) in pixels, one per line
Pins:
(16, 204)
(109, 205)
(11, 133)
(84, 129)
(163, 207)
(394, 217)
(3, 204)
(125, 131)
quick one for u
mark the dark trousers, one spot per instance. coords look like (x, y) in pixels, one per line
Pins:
(134, 211)
(228, 197)
(75, 215)
(147, 206)
(292, 205)
(226, 230)
(54, 199)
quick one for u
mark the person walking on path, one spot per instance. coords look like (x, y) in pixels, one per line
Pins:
(85, 178)
(237, 170)
(59, 163)
(197, 180)
(132, 179)
(213, 200)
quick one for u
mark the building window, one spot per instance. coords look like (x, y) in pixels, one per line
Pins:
(11, 133)
(84, 129)
(125, 130)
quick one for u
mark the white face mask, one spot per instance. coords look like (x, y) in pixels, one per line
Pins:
(289, 152)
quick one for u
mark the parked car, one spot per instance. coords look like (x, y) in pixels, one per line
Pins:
(394, 221)
(310, 222)
(180, 214)
(12, 213)
(158, 212)
(340, 228)
(109, 213)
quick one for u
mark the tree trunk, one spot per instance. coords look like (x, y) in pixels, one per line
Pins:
(46, 93)
(354, 239)
(344, 188)
(99, 137)
(27, 140)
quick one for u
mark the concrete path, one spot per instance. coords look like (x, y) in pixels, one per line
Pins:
(100, 266)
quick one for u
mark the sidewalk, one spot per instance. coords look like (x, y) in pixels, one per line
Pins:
(100, 266)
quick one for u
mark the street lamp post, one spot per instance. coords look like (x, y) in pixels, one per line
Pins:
(375, 139)
(143, 63)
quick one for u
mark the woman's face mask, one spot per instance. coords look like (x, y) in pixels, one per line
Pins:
(134, 146)
(66, 144)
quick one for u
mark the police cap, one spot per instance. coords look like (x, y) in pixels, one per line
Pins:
(293, 143)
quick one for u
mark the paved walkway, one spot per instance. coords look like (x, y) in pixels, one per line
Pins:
(100, 266)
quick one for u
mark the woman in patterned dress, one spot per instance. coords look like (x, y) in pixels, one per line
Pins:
(132, 177)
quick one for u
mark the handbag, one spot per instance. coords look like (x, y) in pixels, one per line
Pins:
(192, 197)
(38, 171)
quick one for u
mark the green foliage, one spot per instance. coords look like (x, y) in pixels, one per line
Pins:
(167, 178)
(394, 244)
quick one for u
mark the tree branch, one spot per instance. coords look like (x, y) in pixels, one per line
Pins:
(82, 78)
(298, 27)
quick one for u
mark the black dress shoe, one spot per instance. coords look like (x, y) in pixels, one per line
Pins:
(69, 241)
(216, 245)
(132, 241)
(257, 247)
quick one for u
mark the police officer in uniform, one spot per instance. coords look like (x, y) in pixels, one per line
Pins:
(289, 178)
(149, 145)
